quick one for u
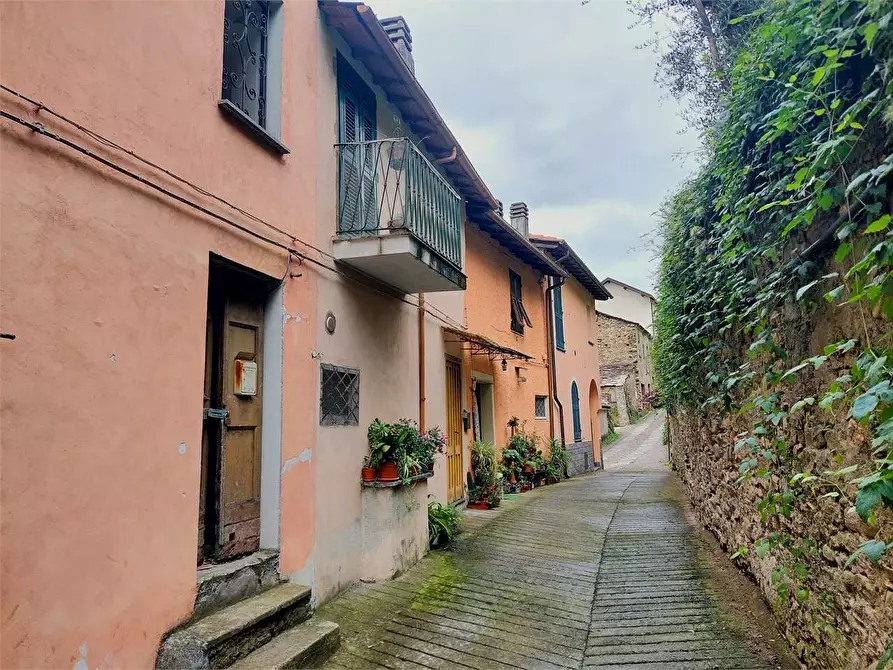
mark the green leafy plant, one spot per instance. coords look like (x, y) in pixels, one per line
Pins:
(443, 523)
(787, 225)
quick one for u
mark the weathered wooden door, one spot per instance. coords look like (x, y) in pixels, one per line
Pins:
(231, 449)
(455, 471)
(240, 448)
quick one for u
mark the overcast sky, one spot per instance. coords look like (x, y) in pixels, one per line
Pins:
(556, 107)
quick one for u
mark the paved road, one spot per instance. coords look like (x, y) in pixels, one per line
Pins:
(598, 571)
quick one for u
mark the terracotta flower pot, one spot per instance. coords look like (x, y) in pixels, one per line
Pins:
(477, 505)
(369, 474)
(388, 472)
(513, 479)
(430, 467)
(528, 469)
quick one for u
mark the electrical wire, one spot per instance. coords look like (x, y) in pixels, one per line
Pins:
(37, 128)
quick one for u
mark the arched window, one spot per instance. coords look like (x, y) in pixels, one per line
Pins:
(575, 405)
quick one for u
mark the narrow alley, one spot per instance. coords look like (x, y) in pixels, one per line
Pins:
(599, 571)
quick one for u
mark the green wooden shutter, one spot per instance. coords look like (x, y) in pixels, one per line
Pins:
(559, 319)
(575, 405)
(349, 183)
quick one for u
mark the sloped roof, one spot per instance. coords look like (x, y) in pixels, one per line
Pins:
(616, 375)
(611, 280)
(564, 254)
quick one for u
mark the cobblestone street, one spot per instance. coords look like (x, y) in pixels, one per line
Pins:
(599, 571)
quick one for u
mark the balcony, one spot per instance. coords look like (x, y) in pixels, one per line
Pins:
(399, 221)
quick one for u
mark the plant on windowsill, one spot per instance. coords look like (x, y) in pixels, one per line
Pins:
(370, 471)
(400, 451)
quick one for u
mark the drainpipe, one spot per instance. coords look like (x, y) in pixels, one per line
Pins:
(551, 314)
(421, 361)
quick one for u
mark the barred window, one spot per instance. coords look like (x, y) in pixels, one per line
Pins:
(540, 407)
(339, 396)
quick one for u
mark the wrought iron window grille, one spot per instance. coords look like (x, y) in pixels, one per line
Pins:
(339, 396)
(245, 53)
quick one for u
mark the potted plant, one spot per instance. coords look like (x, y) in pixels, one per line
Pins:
(385, 448)
(370, 472)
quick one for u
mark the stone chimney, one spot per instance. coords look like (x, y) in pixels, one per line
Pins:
(398, 30)
(519, 218)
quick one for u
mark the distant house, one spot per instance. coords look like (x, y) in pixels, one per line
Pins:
(630, 303)
(619, 390)
(627, 343)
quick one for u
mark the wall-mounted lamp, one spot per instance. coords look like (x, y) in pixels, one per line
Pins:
(505, 365)
(466, 419)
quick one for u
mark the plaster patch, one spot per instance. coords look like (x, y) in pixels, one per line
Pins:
(81, 663)
(303, 457)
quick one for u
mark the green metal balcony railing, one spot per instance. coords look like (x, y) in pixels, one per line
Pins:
(388, 186)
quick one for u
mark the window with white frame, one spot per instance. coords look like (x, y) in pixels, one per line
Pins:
(540, 407)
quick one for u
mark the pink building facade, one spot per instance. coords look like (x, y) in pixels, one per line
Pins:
(576, 400)
(205, 302)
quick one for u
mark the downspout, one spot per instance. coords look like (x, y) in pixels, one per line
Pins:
(421, 361)
(551, 314)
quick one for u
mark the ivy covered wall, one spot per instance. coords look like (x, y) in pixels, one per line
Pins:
(773, 328)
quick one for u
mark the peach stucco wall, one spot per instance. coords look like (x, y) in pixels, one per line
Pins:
(488, 312)
(579, 363)
(378, 334)
(104, 284)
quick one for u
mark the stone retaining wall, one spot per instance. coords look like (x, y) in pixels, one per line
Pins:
(846, 618)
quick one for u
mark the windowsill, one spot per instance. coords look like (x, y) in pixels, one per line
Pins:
(252, 128)
(518, 332)
(394, 484)
(541, 418)
(560, 348)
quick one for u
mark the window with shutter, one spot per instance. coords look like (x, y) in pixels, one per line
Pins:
(520, 317)
(356, 127)
(575, 405)
(559, 320)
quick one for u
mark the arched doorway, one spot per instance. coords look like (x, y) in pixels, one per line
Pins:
(594, 424)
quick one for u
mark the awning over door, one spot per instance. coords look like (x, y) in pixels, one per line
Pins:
(484, 346)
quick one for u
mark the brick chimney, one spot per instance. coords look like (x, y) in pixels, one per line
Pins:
(398, 30)
(519, 218)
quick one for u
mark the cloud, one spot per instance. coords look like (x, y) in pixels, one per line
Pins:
(556, 106)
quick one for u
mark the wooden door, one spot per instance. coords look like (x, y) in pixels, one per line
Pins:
(240, 447)
(455, 471)
(229, 514)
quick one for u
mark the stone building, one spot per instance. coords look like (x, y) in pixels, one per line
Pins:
(619, 390)
(623, 342)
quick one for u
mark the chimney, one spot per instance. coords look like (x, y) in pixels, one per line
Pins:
(499, 208)
(398, 30)
(519, 218)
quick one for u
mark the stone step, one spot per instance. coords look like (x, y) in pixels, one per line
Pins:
(221, 585)
(308, 645)
(222, 638)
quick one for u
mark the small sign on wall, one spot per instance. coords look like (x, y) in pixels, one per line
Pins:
(245, 377)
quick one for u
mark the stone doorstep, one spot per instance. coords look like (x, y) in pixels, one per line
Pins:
(222, 638)
(226, 583)
(307, 645)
